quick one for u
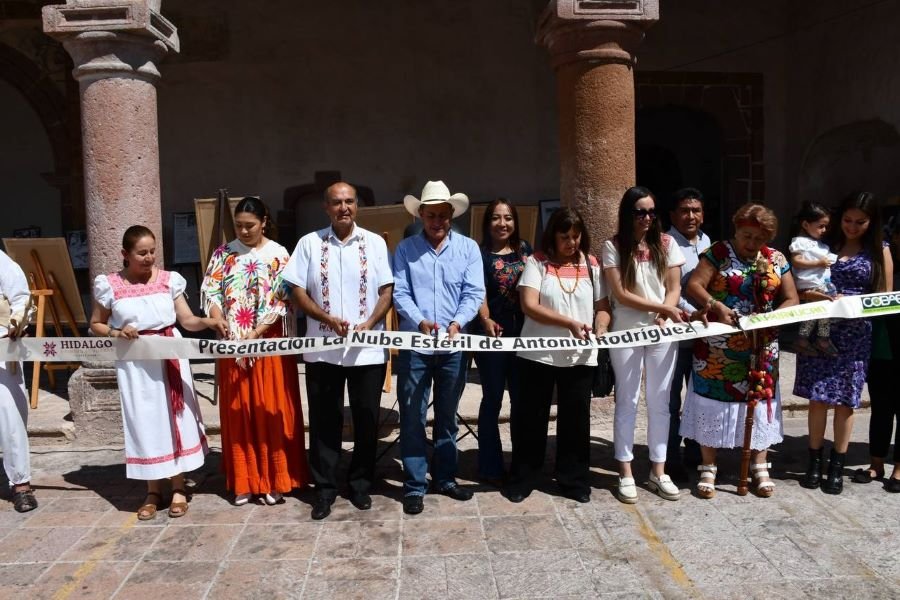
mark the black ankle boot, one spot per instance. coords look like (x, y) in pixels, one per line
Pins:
(813, 477)
(834, 483)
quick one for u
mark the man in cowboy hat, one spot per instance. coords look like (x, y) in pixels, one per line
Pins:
(438, 287)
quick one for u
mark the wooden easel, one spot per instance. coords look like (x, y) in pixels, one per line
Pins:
(222, 232)
(44, 287)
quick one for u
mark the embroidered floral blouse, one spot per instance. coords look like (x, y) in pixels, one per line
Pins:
(501, 277)
(721, 362)
(246, 284)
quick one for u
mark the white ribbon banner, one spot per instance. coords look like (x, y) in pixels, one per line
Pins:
(57, 349)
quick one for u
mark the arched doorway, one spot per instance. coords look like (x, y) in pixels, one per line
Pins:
(679, 147)
(41, 149)
(30, 200)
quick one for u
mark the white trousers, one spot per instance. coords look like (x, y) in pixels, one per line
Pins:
(658, 362)
(13, 421)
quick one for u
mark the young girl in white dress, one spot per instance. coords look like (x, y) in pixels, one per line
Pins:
(164, 434)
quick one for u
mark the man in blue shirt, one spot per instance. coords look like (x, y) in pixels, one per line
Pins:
(438, 287)
(686, 215)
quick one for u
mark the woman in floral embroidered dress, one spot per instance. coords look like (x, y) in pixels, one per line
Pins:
(503, 253)
(734, 279)
(262, 424)
(164, 435)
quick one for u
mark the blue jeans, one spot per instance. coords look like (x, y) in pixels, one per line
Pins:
(415, 374)
(683, 370)
(497, 371)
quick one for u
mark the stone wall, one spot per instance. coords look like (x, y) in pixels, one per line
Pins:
(844, 85)
(264, 95)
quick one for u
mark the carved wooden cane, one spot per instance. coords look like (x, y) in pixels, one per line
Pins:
(744, 481)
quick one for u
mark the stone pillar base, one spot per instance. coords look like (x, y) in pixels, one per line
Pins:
(96, 405)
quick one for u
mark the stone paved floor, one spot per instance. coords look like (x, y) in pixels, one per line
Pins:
(84, 541)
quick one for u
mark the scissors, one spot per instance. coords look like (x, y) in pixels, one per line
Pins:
(737, 323)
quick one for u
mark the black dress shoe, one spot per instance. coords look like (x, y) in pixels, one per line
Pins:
(579, 496)
(457, 493)
(892, 485)
(516, 496)
(321, 508)
(413, 505)
(361, 501)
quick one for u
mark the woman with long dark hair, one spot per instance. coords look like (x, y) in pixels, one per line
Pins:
(562, 295)
(642, 269)
(262, 423)
(863, 266)
(503, 253)
(884, 364)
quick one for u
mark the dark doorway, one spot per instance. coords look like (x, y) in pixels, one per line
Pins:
(681, 147)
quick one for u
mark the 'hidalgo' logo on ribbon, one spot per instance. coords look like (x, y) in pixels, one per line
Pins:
(49, 348)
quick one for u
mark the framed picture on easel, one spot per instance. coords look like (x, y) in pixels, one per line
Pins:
(547, 209)
(78, 248)
(48, 267)
(47, 261)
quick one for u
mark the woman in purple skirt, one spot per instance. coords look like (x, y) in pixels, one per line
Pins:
(863, 266)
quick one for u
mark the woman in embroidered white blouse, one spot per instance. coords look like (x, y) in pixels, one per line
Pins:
(262, 424)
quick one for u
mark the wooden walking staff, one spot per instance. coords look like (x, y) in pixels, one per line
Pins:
(760, 381)
(744, 481)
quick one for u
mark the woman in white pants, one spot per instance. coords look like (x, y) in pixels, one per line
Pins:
(13, 399)
(642, 269)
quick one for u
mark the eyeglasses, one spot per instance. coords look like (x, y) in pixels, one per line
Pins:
(640, 213)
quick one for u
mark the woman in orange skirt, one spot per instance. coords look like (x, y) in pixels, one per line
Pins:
(262, 423)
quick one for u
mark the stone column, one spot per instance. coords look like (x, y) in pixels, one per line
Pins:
(115, 46)
(592, 45)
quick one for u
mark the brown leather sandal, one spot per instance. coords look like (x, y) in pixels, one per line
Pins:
(179, 509)
(24, 500)
(148, 510)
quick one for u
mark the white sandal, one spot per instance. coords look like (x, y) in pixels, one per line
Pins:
(627, 491)
(763, 489)
(706, 487)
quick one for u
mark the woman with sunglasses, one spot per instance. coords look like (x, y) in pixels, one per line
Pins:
(642, 269)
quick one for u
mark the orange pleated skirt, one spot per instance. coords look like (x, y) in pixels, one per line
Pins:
(263, 445)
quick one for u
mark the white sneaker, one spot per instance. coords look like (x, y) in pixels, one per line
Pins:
(627, 491)
(664, 487)
(241, 499)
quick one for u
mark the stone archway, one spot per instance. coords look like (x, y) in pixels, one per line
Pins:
(61, 123)
(861, 155)
(735, 102)
(678, 147)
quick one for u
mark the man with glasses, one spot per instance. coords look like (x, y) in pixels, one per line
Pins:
(343, 283)
(686, 215)
(439, 286)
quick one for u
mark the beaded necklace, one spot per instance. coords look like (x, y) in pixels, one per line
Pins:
(577, 276)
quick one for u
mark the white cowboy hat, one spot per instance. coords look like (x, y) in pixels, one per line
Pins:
(437, 192)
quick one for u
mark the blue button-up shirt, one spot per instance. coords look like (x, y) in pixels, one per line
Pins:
(441, 286)
(692, 254)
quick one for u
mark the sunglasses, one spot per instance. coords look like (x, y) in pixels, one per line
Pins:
(640, 213)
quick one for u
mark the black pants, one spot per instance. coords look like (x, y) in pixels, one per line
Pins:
(325, 393)
(530, 417)
(885, 409)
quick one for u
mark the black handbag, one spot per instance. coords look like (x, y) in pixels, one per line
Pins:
(604, 376)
